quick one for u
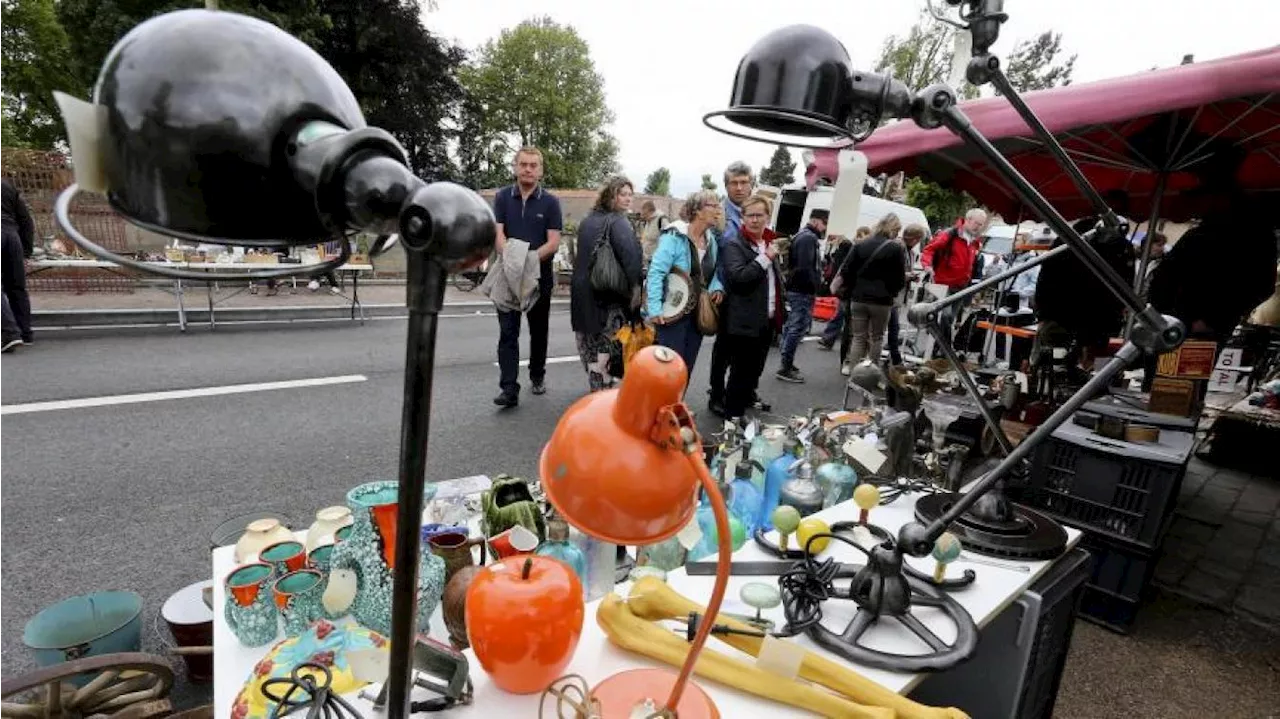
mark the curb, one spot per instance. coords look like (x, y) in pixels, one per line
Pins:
(199, 315)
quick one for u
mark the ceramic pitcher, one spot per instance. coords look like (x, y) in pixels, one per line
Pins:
(367, 558)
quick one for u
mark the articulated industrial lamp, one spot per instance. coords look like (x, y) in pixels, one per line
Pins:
(796, 87)
(623, 466)
(216, 126)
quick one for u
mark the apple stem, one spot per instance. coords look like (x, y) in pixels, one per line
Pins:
(528, 565)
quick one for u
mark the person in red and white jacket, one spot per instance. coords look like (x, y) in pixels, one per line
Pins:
(951, 253)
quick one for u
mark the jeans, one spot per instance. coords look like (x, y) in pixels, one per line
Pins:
(799, 317)
(11, 331)
(683, 337)
(834, 327)
(746, 364)
(867, 322)
(14, 279)
(895, 351)
(509, 343)
(719, 366)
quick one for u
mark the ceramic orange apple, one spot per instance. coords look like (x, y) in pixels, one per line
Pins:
(524, 618)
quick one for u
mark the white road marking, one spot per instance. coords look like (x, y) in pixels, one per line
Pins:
(550, 360)
(176, 394)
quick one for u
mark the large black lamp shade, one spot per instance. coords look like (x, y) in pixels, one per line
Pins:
(797, 86)
(200, 111)
(215, 126)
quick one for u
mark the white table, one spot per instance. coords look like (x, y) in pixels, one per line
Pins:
(596, 658)
(212, 268)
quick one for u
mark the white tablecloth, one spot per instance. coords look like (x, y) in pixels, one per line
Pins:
(596, 658)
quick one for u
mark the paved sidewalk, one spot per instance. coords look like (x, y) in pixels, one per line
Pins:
(1223, 547)
(148, 297)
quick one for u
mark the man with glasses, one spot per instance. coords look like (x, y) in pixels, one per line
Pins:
(738, 184)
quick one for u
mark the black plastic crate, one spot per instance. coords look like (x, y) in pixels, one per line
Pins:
(1129, 407)
(1122, 490)
(1119, 581)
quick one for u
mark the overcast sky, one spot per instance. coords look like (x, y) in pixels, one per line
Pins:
(666, 63)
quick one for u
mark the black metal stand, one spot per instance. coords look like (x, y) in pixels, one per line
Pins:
(425, 289)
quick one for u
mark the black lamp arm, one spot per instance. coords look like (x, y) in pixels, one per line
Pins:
(1154, 332)
(986, 68)
(917, 539)
(923, 313)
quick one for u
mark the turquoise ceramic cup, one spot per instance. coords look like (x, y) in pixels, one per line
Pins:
(287, 556)
(299, 597)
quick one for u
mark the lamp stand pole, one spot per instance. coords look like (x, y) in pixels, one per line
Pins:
(425, 289)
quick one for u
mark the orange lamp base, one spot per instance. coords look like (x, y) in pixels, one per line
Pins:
(626, 695)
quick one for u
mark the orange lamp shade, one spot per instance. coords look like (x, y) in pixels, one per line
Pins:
(602, 468)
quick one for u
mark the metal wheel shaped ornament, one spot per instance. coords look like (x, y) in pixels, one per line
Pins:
(882, 592)
(119, 683)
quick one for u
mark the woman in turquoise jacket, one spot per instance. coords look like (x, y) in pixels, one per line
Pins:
(675, 250)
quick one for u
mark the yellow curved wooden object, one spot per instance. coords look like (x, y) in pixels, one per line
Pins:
(653, 600)
(643, 637)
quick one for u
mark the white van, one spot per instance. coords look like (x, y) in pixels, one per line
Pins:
(793, 205)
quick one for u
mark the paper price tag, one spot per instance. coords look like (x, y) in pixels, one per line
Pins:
(691, 534)
(864, 453)
(780, 657)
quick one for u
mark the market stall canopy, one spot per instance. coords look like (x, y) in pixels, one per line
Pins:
(1123, 132)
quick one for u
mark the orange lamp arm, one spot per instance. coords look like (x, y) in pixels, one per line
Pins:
(725, 551)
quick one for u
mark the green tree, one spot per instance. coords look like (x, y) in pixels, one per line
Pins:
(536, 84)
(1033, 63)
(403, 76)
(34, 61)
(922, 57)
(658, 182)
(940, 205)
(780, 170)
(708, 183)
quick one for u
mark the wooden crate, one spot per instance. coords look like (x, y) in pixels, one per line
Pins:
(1180, 397)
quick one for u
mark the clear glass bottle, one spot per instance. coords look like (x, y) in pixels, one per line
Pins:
(766, 447)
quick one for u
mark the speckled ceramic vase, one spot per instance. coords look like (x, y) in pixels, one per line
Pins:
(248, 608)
(297, 596)
(369, 552)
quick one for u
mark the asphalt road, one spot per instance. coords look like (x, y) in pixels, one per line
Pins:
(126, 496)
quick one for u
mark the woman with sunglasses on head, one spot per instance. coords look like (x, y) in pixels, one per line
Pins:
(594, 316)
(752, 310)
(688, 240)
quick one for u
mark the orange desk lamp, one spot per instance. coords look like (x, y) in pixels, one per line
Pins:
(623, 466)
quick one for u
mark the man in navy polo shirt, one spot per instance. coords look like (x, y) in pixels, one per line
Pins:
(525, 211)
